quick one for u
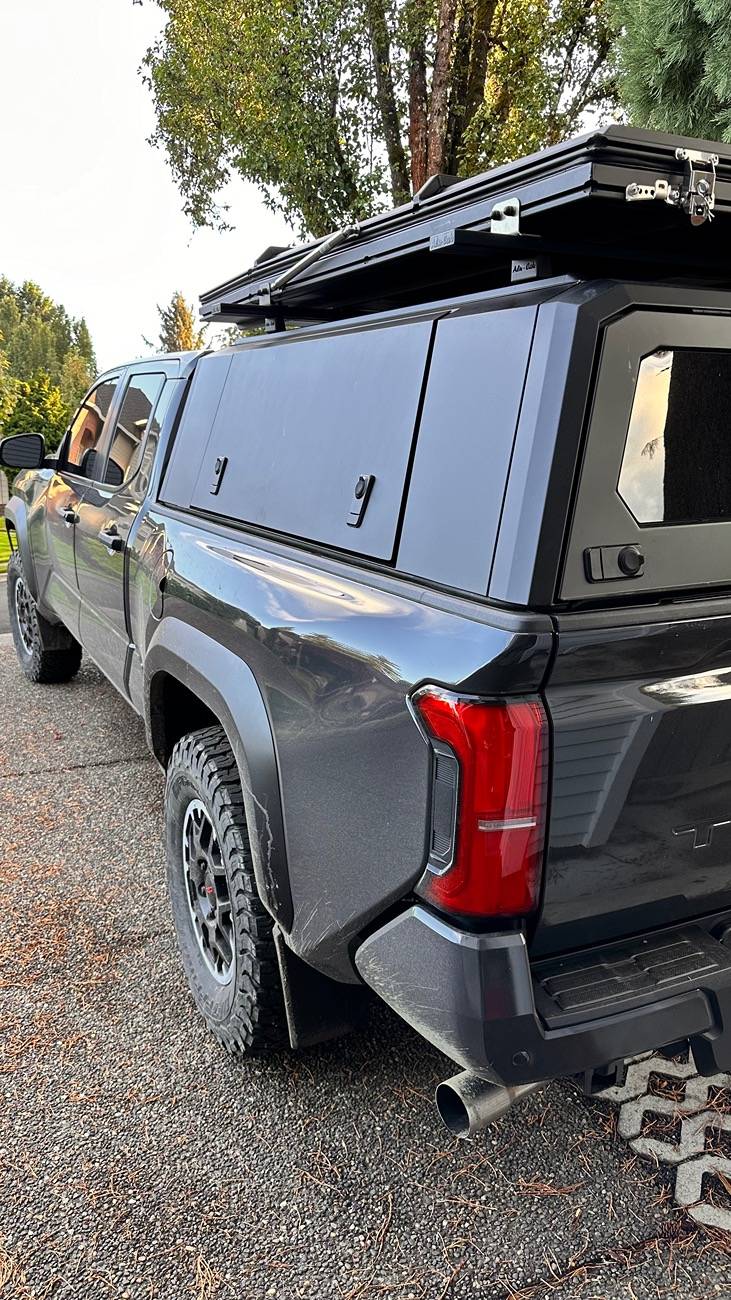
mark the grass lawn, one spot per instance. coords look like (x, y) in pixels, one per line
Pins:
(4, 548)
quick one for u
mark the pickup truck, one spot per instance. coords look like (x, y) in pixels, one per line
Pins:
(428, 616)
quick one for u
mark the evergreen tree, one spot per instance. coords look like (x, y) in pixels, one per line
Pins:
(75, 378)
(179, 330)
(674, 60)
(83, 345)
(38, 408)
(8, 389)
(38, 333)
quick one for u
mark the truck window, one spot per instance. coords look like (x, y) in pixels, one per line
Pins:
(299, 424)
(134, 418)
(82, 454)
(653, 508)
(676, 467)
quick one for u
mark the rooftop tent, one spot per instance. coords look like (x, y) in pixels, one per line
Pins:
(618, 202)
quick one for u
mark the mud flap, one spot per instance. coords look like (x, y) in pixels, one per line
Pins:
(318, 1008)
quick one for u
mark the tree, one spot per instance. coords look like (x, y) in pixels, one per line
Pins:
(179, 331)
(38, 408)
(335, 108)
(38, 333)
(75, 378)
(8, 389)
(675, 65)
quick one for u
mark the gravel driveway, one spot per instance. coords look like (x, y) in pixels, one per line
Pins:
(4, 621)
(137, 1161)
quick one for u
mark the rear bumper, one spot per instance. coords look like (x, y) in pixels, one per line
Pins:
(478, 1000)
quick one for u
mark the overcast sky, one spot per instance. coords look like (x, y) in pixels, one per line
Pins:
(88, 208)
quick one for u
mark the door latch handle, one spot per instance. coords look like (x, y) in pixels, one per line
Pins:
(361, 496)
(111, 539)
(68, 515)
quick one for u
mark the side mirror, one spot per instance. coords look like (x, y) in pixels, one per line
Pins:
(23, 451)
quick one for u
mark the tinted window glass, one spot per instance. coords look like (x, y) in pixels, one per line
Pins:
(129, 435)
(82, 456)
(676, 466)
(140, 479)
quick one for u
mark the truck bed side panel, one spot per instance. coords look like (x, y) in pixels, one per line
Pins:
(336, 652)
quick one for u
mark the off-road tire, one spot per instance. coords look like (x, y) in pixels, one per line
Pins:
(46, 651)
(247, 1014)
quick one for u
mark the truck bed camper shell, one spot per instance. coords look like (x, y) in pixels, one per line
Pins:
(620, 202)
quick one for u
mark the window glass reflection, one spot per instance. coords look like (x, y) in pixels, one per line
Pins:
(676, 466)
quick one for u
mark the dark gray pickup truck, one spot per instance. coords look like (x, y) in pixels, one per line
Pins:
(426, 605)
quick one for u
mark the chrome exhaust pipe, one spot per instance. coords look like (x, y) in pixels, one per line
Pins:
(467, 1103)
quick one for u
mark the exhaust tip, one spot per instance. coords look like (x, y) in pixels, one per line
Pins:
(467, 1104)
(452, 1110)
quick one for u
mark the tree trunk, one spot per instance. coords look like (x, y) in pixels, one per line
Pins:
(440, 87)
(418, 115)
(479, 50)
(457, 120)
(386, 99)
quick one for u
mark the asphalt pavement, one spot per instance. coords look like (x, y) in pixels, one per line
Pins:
(137, 1161)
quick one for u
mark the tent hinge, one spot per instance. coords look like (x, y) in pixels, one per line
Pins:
(696, 194)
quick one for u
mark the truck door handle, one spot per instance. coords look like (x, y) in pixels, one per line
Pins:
(68, 515)
(111, 539)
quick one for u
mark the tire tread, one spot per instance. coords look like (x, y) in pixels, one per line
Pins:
(256, 1021)
(45, 666)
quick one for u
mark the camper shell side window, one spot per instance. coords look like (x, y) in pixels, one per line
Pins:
(653, 510)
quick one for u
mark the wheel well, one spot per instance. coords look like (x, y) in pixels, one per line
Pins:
(174, 711)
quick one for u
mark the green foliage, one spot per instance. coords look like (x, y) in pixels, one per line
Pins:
(8, 391)
(335, 108)
(552, 66)
(46, 362)
(4, 548)
(39, 407)
(38, 333)
(179, 330)
(75, 377)
(675, 65)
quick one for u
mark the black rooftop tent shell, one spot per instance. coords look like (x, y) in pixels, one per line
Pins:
(576, 215)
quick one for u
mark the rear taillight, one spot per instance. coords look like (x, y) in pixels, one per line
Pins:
(488, 803)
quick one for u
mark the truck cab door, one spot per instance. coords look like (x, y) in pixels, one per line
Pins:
(106, 514)
(53, 530)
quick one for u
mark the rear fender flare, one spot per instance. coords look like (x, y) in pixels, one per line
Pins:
(228, 687)
(16, 515)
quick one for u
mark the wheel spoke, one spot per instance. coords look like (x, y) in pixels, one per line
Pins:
(24, 615)
(222, 945)
(207, 891)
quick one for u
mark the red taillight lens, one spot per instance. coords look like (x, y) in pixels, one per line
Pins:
(502, 752)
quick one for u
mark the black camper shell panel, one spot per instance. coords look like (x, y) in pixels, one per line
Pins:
(302, 422)
(426, 401)
(465, 443)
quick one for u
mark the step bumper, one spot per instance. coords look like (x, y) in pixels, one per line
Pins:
(478, 1000)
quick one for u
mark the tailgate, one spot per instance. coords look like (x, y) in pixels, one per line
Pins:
(640, 809)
